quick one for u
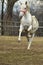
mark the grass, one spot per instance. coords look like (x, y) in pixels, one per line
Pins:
(14, 53)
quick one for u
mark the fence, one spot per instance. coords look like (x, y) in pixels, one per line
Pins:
(12, 28)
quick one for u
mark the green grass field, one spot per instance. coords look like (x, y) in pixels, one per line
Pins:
(14, 53)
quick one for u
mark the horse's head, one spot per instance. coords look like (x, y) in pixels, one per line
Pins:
(23, 8)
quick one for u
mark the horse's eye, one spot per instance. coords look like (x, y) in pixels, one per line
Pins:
(26, 2)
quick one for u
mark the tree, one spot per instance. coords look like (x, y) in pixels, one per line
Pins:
(9, 8)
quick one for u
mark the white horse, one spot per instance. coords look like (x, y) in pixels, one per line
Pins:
(28, 23)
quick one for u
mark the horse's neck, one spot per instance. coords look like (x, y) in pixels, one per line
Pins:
(27, 14)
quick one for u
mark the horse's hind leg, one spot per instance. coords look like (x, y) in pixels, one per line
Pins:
(20, 31)
(30, 40)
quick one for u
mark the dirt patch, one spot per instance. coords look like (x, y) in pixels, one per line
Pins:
(14, 53)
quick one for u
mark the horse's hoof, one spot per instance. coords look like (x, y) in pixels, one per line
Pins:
(28, 48)
(29, 36)
(19, 40)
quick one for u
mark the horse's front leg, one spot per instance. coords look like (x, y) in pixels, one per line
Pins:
(30, 27)
(30, 40)
(20, 31)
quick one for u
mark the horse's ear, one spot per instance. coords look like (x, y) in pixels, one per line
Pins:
(26, 2)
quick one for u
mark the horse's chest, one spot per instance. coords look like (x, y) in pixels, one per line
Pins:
(26, 21)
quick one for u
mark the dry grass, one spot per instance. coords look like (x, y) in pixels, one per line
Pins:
(14, 53)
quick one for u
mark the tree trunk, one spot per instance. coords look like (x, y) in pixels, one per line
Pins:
(9, 8)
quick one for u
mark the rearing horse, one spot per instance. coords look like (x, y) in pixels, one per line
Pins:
(28, 23)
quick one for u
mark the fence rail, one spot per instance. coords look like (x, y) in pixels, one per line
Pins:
(12, 28)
